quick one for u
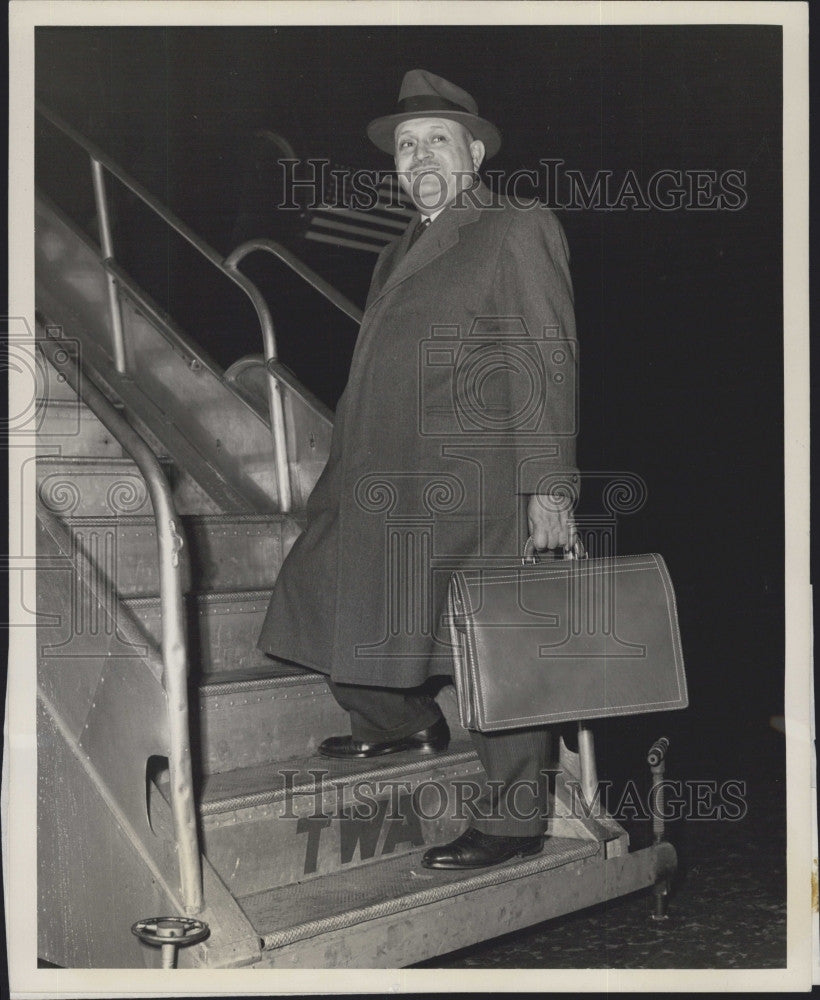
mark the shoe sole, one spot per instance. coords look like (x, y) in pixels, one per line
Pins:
(490, 864)
(384, 753)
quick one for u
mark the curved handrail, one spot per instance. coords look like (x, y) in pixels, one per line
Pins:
(173, 646)
(333, 295)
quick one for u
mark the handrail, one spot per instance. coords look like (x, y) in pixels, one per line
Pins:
(333, 295)
(101, 159)
(173, 646)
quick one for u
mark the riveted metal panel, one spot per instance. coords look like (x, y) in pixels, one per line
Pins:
(126, 724)
(226, 552)
(263, 716)
(79, 632)
(69, 428)
(93, 882)
(266, 722)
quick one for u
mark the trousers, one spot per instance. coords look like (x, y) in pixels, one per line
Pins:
(512, 795)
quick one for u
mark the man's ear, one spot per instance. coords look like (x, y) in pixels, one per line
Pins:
(477, 152)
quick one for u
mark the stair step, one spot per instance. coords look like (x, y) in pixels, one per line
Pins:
(274, 824)
(222, 627)
(88, 486)
(189, 496)
(359, 917)
(225, 551)
(68, 427)
(255, 717)
(69, 413)
(99, 486)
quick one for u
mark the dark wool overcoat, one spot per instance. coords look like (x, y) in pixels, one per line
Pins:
(461, 400)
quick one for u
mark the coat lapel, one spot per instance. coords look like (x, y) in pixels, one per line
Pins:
(443, 234)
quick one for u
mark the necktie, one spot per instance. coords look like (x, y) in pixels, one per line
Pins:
(421, 225)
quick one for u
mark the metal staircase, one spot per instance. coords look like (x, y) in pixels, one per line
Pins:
(301, 861)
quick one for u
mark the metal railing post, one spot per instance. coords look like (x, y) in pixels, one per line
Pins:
(276, 407)
(107, 247)
(589, 771)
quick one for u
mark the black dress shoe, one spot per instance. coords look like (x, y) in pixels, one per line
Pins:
(474, 849)
(430, 740)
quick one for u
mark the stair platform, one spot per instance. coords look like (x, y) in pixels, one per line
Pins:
(395, 912)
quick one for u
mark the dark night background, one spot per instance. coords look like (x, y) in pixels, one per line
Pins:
(679, 313)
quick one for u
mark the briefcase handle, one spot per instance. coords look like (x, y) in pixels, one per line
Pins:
(530, 556)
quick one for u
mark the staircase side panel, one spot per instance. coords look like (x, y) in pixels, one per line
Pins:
(308, 422)
(105, 691)
(221, 427)
(76, 638)
(92, 881)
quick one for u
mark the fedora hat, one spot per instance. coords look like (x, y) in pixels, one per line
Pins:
(425, 95)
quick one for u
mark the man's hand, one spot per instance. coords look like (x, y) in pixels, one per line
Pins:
(549, 518)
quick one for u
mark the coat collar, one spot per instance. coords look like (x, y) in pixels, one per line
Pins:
(402, 263)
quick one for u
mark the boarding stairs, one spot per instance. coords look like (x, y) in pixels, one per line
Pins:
(300, 861)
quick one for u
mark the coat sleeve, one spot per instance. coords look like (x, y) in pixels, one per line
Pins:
(532, 287)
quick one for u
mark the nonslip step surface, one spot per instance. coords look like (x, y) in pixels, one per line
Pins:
(303, 910)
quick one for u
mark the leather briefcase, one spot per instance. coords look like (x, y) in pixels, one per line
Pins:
(550, 641)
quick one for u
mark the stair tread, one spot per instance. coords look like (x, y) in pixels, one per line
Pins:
(117, 461)
(249, 786)
(205, 597)
(224, 681)
(344, 898)
(207, 520)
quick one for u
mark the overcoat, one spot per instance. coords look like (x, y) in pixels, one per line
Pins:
(461, 400)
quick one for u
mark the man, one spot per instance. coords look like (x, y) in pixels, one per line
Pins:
(459, 411)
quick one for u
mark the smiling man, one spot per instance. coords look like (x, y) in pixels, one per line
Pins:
(454, 438)
(435, 159)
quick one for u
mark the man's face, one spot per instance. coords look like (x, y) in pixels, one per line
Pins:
(435, 159)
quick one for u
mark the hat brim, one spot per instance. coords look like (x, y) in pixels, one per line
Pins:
(381, 131)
